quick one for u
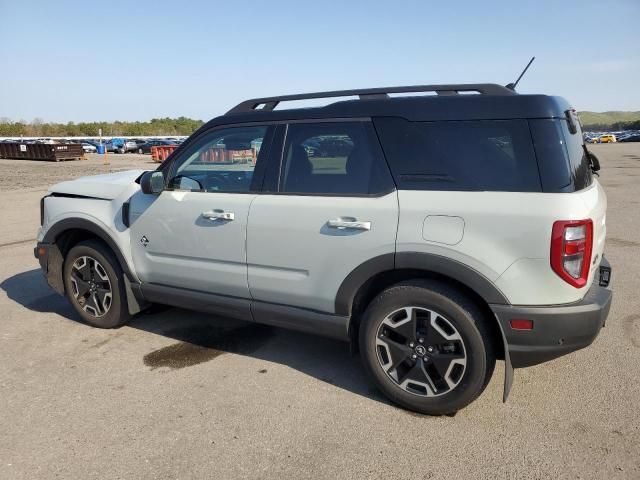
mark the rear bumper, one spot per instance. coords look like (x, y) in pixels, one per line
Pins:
(557, 330)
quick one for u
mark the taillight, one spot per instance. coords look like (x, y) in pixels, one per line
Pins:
(571, 245)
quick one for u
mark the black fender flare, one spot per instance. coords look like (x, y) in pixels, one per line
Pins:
(432, 263)
(427, 262)
(66, 224)
(135, 299)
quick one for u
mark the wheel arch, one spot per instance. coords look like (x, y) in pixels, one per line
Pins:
(373, 276)
(66, 233)
(69, 231)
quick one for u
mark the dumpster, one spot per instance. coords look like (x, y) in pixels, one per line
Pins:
(100, 149)
(41, 151)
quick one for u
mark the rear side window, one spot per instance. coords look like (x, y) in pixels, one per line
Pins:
(341, 158)
(482, 155)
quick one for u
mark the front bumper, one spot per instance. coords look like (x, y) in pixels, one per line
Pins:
(557, 330)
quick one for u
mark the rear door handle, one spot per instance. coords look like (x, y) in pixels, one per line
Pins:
(344, 223)
(218, 215)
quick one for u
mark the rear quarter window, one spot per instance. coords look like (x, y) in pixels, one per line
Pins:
(562, 159)
(482, 155)
(580, 168)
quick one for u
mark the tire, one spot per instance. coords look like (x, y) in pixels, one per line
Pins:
(448, 361)
(90, 266)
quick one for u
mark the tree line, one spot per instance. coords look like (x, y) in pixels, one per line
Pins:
(156, 126)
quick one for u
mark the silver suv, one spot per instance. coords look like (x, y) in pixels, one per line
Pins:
(435, 233)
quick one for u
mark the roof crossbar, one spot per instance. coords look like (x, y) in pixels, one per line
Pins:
(270, 103)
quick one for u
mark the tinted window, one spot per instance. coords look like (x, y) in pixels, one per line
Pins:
(333, 158)
(494, 155)
(222, 161)
(578, 160)
(553, 159)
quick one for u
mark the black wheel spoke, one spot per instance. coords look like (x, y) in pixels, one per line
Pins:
(405, 325)
(417, 374)
(91, 304)
(397, 351)
(434, 336)
(441, 364)
(85, 271)
(81, 285)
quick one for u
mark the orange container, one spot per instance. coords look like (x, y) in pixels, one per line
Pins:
(161, 153)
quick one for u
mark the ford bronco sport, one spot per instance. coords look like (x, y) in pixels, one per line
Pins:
(436, 233)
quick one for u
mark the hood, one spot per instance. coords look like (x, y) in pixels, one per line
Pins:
(106, 187)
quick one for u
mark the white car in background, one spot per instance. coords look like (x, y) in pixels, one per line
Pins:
(88, 148)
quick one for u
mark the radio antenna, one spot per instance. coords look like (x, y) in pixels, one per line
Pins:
(512, 86)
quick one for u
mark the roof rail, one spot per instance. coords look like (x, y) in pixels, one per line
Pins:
(270, 103)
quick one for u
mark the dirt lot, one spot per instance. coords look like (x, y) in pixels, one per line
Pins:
(180, 395)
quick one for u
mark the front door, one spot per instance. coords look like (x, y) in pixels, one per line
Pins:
(192, 235)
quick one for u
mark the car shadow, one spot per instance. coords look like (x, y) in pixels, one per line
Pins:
(201, 337)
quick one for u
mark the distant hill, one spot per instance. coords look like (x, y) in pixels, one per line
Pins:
(605, 120)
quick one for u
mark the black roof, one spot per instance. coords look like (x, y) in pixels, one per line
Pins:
(451, 102)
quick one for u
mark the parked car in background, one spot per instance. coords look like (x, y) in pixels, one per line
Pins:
(146, 147)
(120, 145)
(634, 137)
(608, 138)
(88, 148)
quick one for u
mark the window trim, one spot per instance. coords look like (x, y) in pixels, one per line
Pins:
(374, 144)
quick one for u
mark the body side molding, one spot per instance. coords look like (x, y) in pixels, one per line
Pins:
(283, 316)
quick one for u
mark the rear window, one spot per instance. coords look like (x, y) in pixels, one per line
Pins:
(483, 155)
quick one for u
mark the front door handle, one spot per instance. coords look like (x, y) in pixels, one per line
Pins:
(351, 223)
(218, 215)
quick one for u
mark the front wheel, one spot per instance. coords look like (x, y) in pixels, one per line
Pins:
(426, 347)
(94, 285)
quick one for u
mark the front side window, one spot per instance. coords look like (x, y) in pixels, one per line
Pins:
(338, 158)
(223, 160)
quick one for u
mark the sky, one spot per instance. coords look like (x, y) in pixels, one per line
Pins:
(85, 60)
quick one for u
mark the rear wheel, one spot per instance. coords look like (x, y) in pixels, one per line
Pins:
(426, 347)
(94, 286)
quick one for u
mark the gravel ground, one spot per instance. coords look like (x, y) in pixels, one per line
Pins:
(29, 174)
(182, 395)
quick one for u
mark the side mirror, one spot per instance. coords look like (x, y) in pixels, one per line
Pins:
(152, 182)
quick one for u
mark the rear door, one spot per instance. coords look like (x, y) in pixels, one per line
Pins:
(192, 235)
(334, 206)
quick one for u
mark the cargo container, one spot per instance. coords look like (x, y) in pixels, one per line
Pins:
(54, 152)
